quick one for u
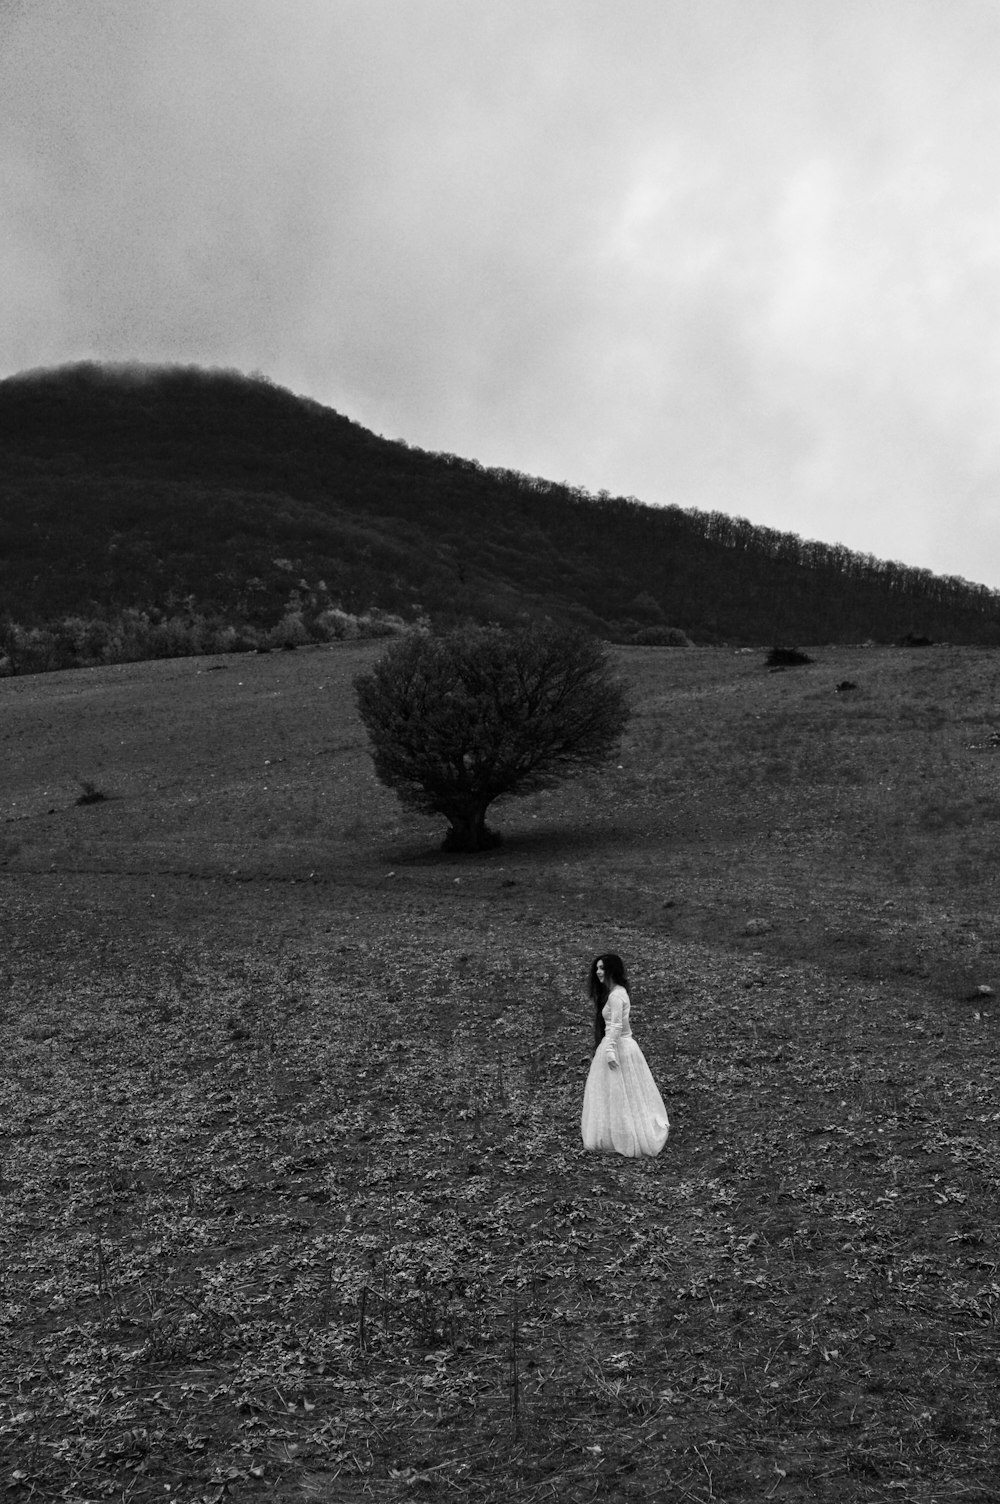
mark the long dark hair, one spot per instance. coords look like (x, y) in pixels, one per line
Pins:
(614, 973)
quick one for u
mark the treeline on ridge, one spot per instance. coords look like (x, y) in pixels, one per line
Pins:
(214, 507)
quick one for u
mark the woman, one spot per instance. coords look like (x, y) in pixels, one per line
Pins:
(622, 1109)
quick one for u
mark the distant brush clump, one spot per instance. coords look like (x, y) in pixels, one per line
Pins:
(661, 637)
(787, 658)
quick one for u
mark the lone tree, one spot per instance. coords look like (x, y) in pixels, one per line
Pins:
(458, 720)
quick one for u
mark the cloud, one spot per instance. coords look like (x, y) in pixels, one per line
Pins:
(728, 253)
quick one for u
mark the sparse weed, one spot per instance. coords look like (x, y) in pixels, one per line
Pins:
(91, 793)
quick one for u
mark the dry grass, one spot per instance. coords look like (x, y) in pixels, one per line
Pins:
(293, 1200)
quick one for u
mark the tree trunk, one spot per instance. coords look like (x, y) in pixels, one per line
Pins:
(468, 830)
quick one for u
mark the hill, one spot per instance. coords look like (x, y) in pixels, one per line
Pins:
(190, 495)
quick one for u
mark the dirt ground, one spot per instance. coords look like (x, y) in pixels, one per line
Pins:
(292, 1198)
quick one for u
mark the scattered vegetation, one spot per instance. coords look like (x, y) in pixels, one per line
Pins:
(459, 721)
(136, 636)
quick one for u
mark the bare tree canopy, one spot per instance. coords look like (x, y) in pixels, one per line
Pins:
(457, 721)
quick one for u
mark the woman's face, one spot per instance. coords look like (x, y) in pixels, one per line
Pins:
(599, 972)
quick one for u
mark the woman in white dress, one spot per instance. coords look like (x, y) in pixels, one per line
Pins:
(622, 1109)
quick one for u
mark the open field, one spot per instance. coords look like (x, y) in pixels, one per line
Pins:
(292, 1199)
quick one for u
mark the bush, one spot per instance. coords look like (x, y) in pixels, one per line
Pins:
(290, 632)
(457, 721)
(787, 658)
(336, 625)
(661, 637)
(376, 623)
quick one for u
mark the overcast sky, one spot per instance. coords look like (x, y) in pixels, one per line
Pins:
(742, 255)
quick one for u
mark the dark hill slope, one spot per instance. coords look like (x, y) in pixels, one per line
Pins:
(146, 488)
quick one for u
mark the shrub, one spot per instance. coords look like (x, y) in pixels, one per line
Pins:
(662, 637)
(91, 793)
(377, 623)
(915, 640)
(787, 658)
(457, 721)
(334, 624)
(290, 631)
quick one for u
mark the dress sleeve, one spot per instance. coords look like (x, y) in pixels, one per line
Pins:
(612, 1032)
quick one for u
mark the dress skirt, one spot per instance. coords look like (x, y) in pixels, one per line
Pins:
(622, 1109)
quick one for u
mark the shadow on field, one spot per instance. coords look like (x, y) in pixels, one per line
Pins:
(540, 844)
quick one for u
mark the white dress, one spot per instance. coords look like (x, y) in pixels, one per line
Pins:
(622, 1109)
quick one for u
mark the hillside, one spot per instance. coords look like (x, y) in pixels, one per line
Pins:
(173, 491)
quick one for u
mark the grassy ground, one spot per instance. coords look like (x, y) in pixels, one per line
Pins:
(292, 1199)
